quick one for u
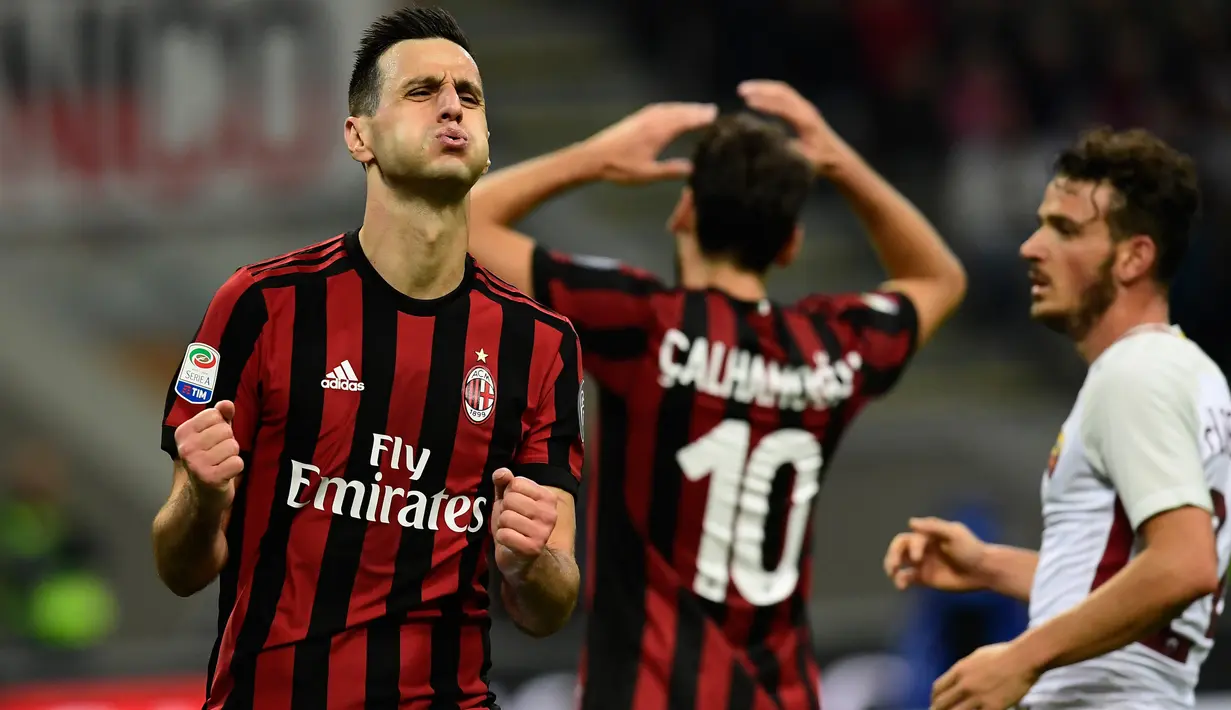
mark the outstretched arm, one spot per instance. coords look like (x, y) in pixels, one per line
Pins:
(918, 262)
(1010, 570)
(506, 196)
(626, 152)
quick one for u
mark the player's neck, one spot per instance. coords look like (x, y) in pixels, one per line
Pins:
(1129, 312)
(419, 248)
(737, 283)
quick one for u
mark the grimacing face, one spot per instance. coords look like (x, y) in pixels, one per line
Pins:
(1072, 256)
(431, 125)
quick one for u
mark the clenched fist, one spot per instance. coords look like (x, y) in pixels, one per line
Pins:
(523, 518)
(210, 452)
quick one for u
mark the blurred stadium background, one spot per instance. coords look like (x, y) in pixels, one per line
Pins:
(148, 147)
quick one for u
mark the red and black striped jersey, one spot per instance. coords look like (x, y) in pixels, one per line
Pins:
(370, 424)
(716, 422)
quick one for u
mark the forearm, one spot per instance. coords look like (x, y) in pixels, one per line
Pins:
(1143, 597)
(1010, 570)
(189, 544)
(507, 195)
(542, 600)
(907, 244)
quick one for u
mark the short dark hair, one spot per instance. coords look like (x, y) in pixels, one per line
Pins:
(1156, 188)
(749, 185)
(363, 96)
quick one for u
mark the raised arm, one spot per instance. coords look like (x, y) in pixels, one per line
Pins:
(626, 152)
(916, 259)
(946, 555)
(504, 197)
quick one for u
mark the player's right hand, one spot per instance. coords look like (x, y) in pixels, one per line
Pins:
(936, 553)
(210, 452)
(628, 151)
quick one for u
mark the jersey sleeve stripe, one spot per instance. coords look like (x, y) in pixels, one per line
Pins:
(566, 429)
(319, 265)
(502, 289)
(304, 253)
(549, 475)
(320, 256)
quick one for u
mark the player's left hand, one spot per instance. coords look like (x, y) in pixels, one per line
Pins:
(994, 677)
(523, 518)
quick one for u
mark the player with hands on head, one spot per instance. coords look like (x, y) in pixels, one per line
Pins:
(695, 380)
(628, 152)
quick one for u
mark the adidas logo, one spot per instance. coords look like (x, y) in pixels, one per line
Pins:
(343, 377)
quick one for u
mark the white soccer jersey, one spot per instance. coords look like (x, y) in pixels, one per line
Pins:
(1150, 432)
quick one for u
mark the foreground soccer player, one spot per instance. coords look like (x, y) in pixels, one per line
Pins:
(719, 408)
(378, 402)
(1124, 592)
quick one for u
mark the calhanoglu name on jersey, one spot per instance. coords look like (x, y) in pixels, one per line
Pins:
(745, 377)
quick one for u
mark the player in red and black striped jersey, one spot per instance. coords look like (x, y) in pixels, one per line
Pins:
(719, 408)
(355, 422)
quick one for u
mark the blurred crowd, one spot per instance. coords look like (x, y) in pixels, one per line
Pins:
(54, 603)
(964, 102)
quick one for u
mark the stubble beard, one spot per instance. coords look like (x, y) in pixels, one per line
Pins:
(1094, 302)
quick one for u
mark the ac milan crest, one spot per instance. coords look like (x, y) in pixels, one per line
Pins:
(479, 394)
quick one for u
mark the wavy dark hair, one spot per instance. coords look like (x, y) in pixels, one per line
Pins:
(1156, 188)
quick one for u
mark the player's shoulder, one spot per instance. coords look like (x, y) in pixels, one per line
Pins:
(501, 292)
(889, 303)
(312, 259)
(1158, 358)
(605, 271)
(1152, 374)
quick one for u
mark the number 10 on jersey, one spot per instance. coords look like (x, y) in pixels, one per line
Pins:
(737, 508)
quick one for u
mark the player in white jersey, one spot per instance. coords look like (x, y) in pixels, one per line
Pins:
(1126, 587)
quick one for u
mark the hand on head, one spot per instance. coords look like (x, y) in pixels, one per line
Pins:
(629, 150)
(824, 148)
